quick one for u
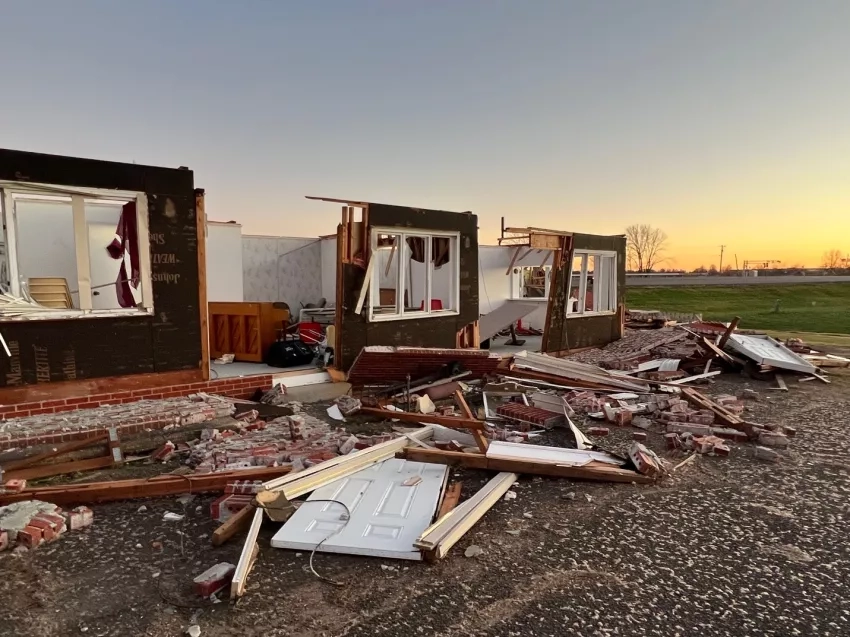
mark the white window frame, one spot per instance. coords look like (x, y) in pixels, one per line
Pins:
(517, 283)
(605, 283)
(401, 265)
(12, 191)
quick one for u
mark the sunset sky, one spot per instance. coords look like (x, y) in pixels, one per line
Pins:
(719, 122)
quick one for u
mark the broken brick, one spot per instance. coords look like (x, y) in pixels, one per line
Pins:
(214, 579)
(29, 536)
(598, 431)
(773, 439)
(15, 486)
(164, 452)
(4, 540)
(639, 436)
(672, 440)
(623, 418)
(721, 450)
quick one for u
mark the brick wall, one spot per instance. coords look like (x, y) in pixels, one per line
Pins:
(238, 387)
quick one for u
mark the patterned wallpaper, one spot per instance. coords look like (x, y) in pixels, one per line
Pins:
(282, 269)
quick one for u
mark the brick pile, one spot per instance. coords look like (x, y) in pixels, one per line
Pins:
(684, 427)
(129, 418)
(639, 346)
(30, 523)
(299, 441)
(236, 387)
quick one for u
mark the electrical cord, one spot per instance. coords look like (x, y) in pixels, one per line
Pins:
(316, 548)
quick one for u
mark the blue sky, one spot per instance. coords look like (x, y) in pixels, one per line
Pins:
(720, 122)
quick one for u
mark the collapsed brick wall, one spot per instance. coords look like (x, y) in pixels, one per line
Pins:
(242, 387)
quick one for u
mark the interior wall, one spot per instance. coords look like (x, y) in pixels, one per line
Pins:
(495, 285)
(287, 269)
(47, 248)
(328, 265)
(224, 262)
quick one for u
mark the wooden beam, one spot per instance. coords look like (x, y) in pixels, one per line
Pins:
(201, 219)
(407, 416)
(594, 471)
(450, 498)
(732, 327)
(544, 241)
(99, 439)
(164, 485)
(780, 381)
(237, 523)
(480, 440)
(58, 468)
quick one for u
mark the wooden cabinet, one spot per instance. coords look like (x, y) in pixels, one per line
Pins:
(244, 329)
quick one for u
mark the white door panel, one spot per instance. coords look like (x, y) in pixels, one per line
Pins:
(386, 516)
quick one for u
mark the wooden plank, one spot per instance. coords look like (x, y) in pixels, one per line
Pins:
(99, 439)
(450, 498)
(446, 421)
(164, 485)
(823, 379)
(58, 468)
(367, 282)
(780, 381)
(729, 330)
(539, 241)
(201, 223)
(247, 557)
(237, 523)
(438, 538)
(592, 471)
(480, 440)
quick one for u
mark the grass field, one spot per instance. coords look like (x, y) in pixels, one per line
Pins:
(814, 307)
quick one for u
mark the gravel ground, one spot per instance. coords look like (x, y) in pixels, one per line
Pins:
(726, 546)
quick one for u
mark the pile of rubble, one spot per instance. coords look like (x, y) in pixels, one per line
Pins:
(25, 525)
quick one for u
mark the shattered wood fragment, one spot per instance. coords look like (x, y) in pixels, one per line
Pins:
(445, 421)
(163, 485)
(594, 471)
(480, 440)
(451, 497)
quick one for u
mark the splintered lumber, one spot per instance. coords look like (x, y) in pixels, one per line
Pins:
(732, 327)
(447, 421)
(237, 522)
(575, 371)
(167, 484)
(441, 536)
(480, 440)
(780, 382)
(247, 557)
(594, 471)
(450, 498)
(326, 472)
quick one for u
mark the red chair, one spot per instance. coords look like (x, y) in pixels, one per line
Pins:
(436, 304)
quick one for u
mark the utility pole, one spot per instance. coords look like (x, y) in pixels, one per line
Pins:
(723, 247)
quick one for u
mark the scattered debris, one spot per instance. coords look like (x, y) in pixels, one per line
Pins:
(473, 550)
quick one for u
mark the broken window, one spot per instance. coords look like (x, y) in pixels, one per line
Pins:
(414, 274)
(73, 252)
(593, 283)
(531, 282)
